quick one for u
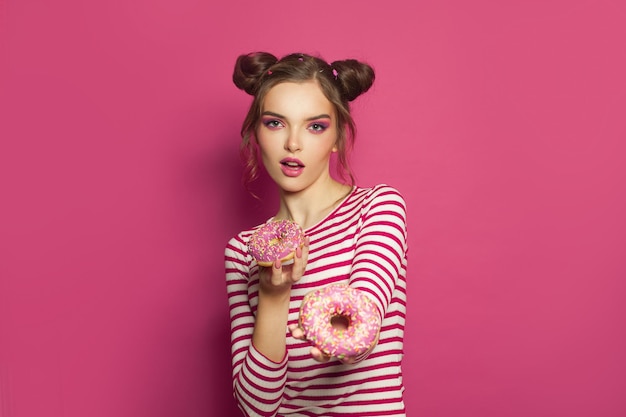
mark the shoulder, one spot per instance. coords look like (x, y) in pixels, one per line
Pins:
(382, 203)
(237, 246)
(381, 194)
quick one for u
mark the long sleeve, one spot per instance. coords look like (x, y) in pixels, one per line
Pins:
(362, 243)
(381, 248)
(258, 382)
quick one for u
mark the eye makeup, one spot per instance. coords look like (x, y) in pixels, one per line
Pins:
(318, 126)
(271, 122)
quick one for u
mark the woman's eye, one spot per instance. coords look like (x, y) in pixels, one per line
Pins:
(272, 124)
(318, 127)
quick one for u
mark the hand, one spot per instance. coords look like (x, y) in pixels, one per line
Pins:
(316, 353)
(279, 277)
(298, 333)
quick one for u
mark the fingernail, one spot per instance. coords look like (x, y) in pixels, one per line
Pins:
(277, 264)
(298, 252)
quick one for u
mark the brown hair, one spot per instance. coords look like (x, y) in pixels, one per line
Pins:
(340, 81)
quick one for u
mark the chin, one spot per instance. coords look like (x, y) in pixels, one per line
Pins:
(291, 189)
(292, 186)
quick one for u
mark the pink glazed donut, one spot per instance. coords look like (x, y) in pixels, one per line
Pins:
(277, 239)
(320, 306)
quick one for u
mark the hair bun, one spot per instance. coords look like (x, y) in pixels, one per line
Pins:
(355, 77)
(249, 68)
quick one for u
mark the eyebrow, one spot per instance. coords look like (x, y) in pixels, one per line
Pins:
(280, 116)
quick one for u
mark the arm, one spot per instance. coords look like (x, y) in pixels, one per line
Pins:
(258, 343)
(380, 256)
(381, 248)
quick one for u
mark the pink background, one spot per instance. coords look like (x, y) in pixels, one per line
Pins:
(502, 122)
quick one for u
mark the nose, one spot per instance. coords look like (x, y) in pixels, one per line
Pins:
(293, 143)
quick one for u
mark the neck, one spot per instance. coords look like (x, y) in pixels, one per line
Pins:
(309, 206)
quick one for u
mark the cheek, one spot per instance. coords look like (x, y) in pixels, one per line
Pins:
(264, 144)
(323, 156)
(268, 150)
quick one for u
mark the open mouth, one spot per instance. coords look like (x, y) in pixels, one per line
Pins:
(292, 163)
(292, 167)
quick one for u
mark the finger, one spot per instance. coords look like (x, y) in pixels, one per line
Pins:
(305, 249)
(298, 267)
(276, 277)
(297, 332)
(300, 260)
(319, 356)
(305, 252)
(348, 360)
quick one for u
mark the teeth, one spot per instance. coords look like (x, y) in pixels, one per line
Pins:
(292, 164)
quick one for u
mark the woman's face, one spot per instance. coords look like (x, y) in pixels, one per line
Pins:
(297, 134)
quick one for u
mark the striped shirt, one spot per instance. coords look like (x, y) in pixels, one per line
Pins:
(362, 242)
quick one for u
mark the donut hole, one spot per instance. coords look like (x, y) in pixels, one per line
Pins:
(340, 321)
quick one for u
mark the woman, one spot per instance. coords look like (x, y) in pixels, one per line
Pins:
(299, 117)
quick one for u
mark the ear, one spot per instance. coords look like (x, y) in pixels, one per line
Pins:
(335, 149)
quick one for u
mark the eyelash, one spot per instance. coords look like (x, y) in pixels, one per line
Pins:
(272, 123)
(315, 127)
(318, 127)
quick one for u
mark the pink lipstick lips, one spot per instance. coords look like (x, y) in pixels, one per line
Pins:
(291, 167)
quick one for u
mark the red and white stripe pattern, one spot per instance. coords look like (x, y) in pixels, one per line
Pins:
(363, 242)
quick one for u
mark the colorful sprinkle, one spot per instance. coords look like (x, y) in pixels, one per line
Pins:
(320, 306)
(275, 240)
